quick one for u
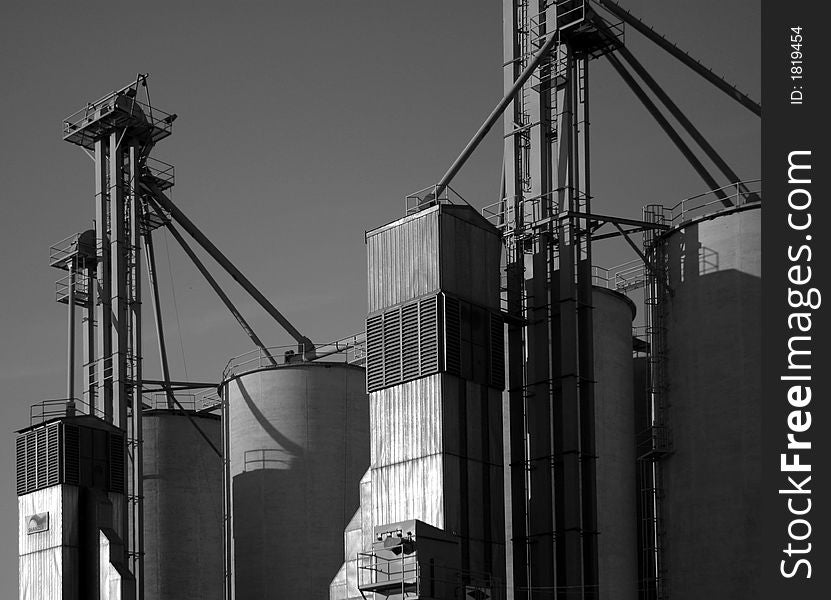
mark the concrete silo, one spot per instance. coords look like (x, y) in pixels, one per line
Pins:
(182, 506)
(615, 444)
(709, 387)
(297, 444)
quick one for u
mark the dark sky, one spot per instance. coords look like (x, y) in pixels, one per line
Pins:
(302, 125)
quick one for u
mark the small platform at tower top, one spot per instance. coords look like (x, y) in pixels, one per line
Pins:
(118, 110)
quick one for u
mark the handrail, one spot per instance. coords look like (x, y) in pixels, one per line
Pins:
(53, 408)
(351, 349)
(741, 192)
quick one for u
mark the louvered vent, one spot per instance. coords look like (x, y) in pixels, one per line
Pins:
(31, 461)
(51, 455)
(71, 454)
(429, 323)
(42, 458)
(452, 336)
(410, 363)
(117, 481)
(37, 461)
(402, 344)
(496, 372)
(392, 347)
(20, 464)
(375, 352)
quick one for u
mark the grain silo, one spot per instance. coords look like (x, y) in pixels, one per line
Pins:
(297, 444)
(707, 332)
(182, 505)
(615, 444)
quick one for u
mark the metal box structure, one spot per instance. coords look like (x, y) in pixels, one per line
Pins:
(71, 488)
(411, 559)
(435, 371)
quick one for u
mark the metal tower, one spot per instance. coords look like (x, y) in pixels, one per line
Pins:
(544, 214)
(119, 131)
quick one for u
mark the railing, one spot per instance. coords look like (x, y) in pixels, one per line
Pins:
(265, 458)
(81, 289)
(63, 251)
(532, 212)
(395, 571)
(654, 441)
(187, 402)
(159, 122)
(349, 350)
(398, 569)
(60, 407)
(624, 277)
(739, 194)
(426, 198)
(162, 172)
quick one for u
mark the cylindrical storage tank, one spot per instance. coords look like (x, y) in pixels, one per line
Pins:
(182, 506)
(297, 444)
(612, 317)
(712, 372)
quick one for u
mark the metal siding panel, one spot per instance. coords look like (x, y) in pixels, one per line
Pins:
(403, 261)
(41, 575)
(46, 558)
(405, 421)
(413, 489)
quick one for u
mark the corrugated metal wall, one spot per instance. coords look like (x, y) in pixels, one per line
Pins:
(446, 247)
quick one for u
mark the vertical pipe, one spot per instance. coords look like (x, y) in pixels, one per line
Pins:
(88, 392)
(103, 312)
(118, 280)
(157, 314)
(227, 497)
(134, 281)
(70, 342)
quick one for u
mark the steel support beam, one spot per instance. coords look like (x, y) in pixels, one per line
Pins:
(157, 314)
(495, 114)
(181, 385)
(306, 345)
(212, 282)
(668, 129)
(70, 342)
(676, 112)
(689, 61)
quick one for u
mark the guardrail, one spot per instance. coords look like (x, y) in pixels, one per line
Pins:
(349, 350)
(426, 198)
(739, 194)
(54, 408)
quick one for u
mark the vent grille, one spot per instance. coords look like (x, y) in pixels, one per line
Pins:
(375, 352)
(392, 347)
(452, 336)
(496, 342)
(117, 463)
(20, 453)
(51, 455)
(429, 324)
(413, 340)
(410, 367)
(402, 344)
(37, 460)
(72, 454)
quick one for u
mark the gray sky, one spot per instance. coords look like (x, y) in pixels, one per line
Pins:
(301, 125)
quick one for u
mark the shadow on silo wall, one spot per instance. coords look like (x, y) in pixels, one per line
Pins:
(712, 480)
(298, 448)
